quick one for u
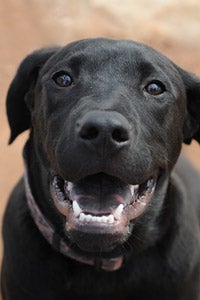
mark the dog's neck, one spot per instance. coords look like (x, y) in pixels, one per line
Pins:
(49, 233)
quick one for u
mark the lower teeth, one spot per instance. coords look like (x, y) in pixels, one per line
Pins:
(90, 218)
(103, 219)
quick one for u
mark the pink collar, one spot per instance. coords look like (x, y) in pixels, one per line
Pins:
(48, 232)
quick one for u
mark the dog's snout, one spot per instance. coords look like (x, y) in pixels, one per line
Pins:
(104, 129)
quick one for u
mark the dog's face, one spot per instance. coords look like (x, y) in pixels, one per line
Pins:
(108, 119)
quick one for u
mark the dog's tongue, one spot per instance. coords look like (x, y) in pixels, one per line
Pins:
(99, 194)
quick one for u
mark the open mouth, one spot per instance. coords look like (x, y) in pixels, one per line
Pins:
(101, 200)
(100, 208)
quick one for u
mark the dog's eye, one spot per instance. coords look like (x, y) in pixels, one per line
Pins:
(62, 79)
(155, 88)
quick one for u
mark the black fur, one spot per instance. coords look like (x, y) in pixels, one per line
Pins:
(162, 254)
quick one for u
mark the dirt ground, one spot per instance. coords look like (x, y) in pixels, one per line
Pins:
(169, 26)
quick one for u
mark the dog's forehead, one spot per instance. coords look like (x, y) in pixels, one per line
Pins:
(108, 52)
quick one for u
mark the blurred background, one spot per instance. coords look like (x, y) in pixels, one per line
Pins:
(171, 26)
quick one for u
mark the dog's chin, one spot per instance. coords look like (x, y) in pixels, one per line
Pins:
(100, 209)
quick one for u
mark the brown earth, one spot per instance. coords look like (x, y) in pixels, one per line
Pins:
(169, 26)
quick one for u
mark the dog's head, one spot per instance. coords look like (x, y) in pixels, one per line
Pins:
(108, 119)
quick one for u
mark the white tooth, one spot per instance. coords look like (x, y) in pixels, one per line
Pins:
(88, 218)
(69, 186)
(76, 208)
(132, 189)
(82, 217)
(136, 187)
(95, 219)
(104, 219)
(118, 211)
(110, 219)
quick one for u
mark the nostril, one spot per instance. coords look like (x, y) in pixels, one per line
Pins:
(120, 135)
(89, 133)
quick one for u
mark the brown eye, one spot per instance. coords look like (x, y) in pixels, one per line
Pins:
(62, 79)
(155, 88)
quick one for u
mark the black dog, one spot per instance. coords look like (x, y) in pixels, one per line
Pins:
(103, 211)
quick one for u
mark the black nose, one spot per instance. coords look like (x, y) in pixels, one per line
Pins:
(104, 130)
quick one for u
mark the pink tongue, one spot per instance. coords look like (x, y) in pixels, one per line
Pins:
(100, 194)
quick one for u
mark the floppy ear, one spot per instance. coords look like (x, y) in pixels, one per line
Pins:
(192, 118)
(23, 83)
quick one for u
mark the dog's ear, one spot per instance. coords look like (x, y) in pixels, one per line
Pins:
(192, 118)
(20, 89)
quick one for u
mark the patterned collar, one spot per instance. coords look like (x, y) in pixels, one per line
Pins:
(49, 233)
